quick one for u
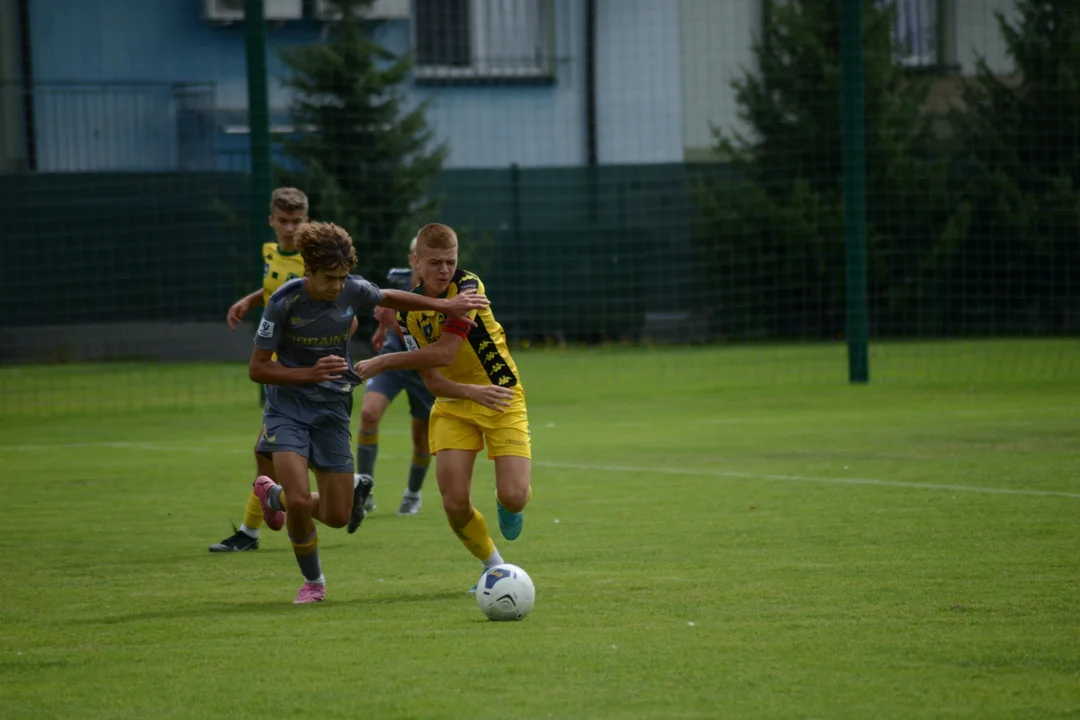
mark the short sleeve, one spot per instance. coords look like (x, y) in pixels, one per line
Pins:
(363, 294)
(471, 282)
(271, 327)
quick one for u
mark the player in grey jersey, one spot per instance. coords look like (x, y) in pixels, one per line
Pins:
(381, 390)
(309, 395)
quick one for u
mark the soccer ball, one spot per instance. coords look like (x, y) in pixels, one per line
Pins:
(505, 592)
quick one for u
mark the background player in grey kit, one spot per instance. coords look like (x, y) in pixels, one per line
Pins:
(307, 323)
(381, 390)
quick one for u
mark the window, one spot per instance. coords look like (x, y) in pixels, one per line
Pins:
(916, 32)
(483, 39)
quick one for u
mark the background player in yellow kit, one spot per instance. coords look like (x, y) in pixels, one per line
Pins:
(281, 262)
(479, 396)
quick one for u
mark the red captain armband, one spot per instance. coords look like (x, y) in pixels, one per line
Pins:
(456, 326)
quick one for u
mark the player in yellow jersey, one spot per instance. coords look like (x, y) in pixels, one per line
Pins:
(479, 397)
(281, 263)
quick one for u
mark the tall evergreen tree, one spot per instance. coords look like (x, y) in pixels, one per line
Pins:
(772, 238)
(365, 156)
(1019, 270)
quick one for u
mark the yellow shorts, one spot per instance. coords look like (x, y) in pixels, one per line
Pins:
(465, 425)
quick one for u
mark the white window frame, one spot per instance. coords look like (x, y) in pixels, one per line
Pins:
(917, 19)
(917, 32)
(525, 28)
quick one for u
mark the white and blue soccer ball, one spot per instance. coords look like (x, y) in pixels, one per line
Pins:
(505, 592)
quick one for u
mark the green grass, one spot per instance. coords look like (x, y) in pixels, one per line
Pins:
(904, 549)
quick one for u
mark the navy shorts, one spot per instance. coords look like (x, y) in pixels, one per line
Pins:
(392, 382)
(317, 430)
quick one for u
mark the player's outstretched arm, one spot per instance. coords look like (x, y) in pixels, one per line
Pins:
(494, 397)
(262, 369)
(458, 306)
(239, 309)
(439, 353)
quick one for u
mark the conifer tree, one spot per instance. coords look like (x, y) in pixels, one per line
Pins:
(772, 236)
(365, 156)
(1019, 175)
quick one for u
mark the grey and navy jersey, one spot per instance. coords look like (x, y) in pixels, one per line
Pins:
(302, 331)
(399, 279)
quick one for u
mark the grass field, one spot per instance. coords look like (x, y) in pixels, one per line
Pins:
(714, 533)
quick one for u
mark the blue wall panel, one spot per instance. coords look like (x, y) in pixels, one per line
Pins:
(150, 41)
(162, 41)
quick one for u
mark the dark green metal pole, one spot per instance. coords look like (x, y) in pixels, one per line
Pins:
(258, 123)
(858, 321)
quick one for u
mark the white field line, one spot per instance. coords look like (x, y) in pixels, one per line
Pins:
(805, 479)
(699, 472)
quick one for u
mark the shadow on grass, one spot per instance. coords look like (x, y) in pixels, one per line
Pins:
(275, 607)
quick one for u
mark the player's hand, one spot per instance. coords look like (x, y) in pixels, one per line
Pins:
(378, 339)
(237, 312)
(495, 397)
(329, 368)
(385, 316)
(465, 302)
(366, 369)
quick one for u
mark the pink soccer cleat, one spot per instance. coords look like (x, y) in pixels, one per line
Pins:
(274, 519)
(310, 593)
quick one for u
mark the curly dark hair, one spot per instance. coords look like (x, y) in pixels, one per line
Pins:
(325, 246)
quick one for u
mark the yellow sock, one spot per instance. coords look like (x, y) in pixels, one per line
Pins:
(306, 546)
(253, 512)
(474, 536)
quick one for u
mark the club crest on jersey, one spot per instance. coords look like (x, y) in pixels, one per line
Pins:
(266, 329)
(347, 314)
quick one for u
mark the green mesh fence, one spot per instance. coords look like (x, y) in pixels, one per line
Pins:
(625, 173)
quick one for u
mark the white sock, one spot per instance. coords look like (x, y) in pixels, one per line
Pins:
(493, 560)
(320, 581)
(250, 532)
(410, 494)
(355, 481)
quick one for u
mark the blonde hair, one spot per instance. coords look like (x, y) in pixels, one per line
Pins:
(325, 246)
(289, 199)
(436, 236)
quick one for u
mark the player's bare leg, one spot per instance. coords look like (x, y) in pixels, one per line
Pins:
(333, 502)
(513, 487)
(294, 496)
(453, 470)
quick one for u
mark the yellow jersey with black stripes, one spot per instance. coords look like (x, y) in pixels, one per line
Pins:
(278, 268)
(483, 358)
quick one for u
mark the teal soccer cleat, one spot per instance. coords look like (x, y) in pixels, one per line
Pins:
(510, 523)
